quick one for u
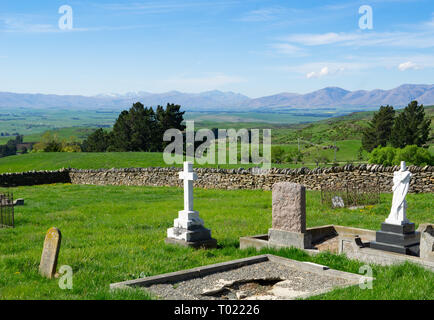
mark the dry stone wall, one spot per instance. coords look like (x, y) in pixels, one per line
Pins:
(422, 181)
(31, 178)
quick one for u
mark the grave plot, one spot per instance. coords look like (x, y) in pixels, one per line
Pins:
(397, 241)
(350, 195)
(265, 277)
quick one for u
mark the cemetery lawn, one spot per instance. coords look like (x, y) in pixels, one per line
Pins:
(116, 233)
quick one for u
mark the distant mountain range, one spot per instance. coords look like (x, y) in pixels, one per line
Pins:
(331, 97)
(340, 98)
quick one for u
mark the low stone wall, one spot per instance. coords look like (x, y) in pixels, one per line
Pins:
(367, 175)
(31, 178)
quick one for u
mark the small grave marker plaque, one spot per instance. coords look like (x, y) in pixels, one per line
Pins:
(338, 202)
(50, 253)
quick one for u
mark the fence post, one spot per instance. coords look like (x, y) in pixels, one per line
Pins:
(7, 218)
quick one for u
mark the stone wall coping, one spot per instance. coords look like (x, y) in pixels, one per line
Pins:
(240, 178)
(284, 171)
(272, 171)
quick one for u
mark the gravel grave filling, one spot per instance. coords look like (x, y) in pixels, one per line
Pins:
(266, 280)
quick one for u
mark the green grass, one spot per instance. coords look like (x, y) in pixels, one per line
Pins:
(54, 161)
(113, 234)
(82, 160)
(77, 134)
(216, 119)
(348, 150)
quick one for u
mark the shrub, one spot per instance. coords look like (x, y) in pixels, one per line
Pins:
(51, 143)
(413, 155)
(277, 155)
(384, 156)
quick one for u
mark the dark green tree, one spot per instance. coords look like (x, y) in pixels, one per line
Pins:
(169, 118)
(138, 129)
(53, 146)
(411, 127)
(121, 134)
(379, 130)
(277, 154)
(19, 139)
(143, 128)
(10, 148)
(98, 141)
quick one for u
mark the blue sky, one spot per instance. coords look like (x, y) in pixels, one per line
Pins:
(249, 46)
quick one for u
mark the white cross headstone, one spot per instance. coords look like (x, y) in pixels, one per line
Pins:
(188, 176)
(188, 217)
(188, 227)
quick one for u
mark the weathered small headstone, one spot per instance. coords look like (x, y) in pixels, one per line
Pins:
(50, 253)
(338, 202)
(289, 216)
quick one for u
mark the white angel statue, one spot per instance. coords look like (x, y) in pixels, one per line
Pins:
(401, 184)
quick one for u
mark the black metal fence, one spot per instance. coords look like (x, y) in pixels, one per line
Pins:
(349, 194)
(6, 210)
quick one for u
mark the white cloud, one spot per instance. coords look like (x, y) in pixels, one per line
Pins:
(430, 24)
(408, 65)
(286, 48)
(267, 14)
(309, 39)
(323, 72)
(259, 15)
(420, 35)
(358, 39)
(164, 6)
(357, 64)
(20, 25)
(320, 69)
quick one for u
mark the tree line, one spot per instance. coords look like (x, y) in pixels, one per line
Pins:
(138, 129)
(391, 139)
(10, 148)
(410, 127)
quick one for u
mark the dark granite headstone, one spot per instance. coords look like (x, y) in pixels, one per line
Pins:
(397, 238)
